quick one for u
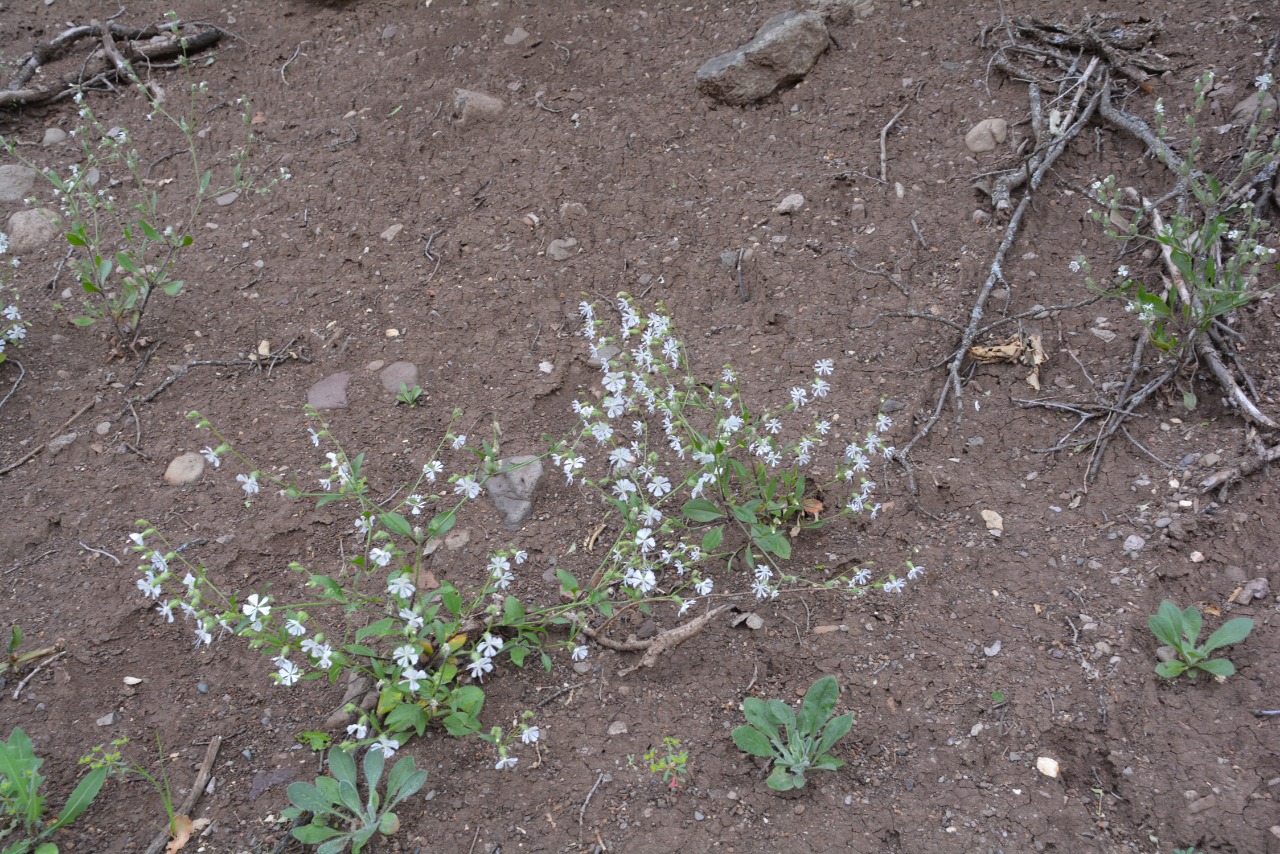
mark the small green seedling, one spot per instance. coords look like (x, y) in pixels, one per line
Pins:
(408, 396)
(22, 824)
(669, 761)
(1181, 630)
(340, 815)
(805, 741)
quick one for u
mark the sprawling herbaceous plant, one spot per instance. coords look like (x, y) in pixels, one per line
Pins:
(1213, 239)
(13, 328)
(703, 499)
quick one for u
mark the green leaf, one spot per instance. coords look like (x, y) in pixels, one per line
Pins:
(349, 796)
(408, 788)
(314, 834)
(308, 797)
(819, 702)
(441, 525)
(125, 262)
(76, 238)
(360, 650)
(1232, 631)
(827, 763)
(1170, 669)
(512, 612)
(567, 581)
(517, 653)
(449, 596)
(755, 711)
(711, 539)
(335, 846)
(781, 781)
(400, 774)
(1167, 625)
(746, 514)
(407, 716)
(753, 741)
(81, 798)
(343, 766)
(701, 510)
(328, 788)
(396, 524)
(1218, 667)
(780, 715)
(836, 730)
(459, 724)
(380, 629)
(1189, 400)
(1191, 623)
(776, 542)
(174, 287)
(148, 230)
(314, 739)
(102, 270)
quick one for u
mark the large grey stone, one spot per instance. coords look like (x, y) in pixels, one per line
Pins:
(398, 373)
(470, 107)
(330, 392)
(782, 53)
(511, 489)
(16, 181)
(32, 228)
(185, 468)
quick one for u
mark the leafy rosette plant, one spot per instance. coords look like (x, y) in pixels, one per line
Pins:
(1180, 629)
(796, 745)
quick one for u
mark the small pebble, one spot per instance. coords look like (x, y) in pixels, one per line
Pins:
(247, 754)
(617, 728)
(202, 687)
(698, 816)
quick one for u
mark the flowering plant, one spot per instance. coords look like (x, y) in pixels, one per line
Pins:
(1215, 244)
(13, 329)
(125, 253)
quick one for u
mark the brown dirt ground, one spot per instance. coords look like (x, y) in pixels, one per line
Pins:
(603, 112)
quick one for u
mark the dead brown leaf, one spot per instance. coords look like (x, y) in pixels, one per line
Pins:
(181, 830)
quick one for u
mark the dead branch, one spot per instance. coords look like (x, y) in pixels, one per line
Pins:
(654, 647)
(109, 61)
(1241, 470)
(188, 803)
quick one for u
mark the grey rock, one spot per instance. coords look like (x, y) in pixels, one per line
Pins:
(1166, 653)
(470, 107)
(617, 728)
(1134, 543)
(993, 650)
(227, 198)
(562, 249)
(790, 204)
(573, 211)
(604, 354)
(330, 392)
(398, 373)
(185, 468)
(456, 539)
(53, 136)
(782, 52)
(986, 135)
(58, 445)
(839, 12)
(16, 182)
(32, 228)
(1258, 588)
(511, 489)
(516, 36)
(109, 719)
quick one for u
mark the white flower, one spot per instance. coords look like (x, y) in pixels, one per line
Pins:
(405, 655)
(644, 539)
(1074, 266)
(823, 367)
(883, 422)
(385, 745)
(415, 503)
(915, 572)
(1122, 271)
(459, 441)
(256, 607)
(166, 610)
(502, 578)
(1159, 106)
(861, 577)
(823, 427)
(1263, 82)
(159, 563)
(489, 645)
(212, 456)
(799, 396)
(821, 387)
(249, 483)
(431, 469)
(704, 586)
(614, 382)
(364, 523)
(659, 486)
(411, 678)
(774, 426)
(138, 540)
(401, 586)
(315, 437)
(359, 730)
(412, 621)
(579, 653)
(894, 585)
(479, 666)
(601, 432)
(684, 607)
(531, 735)
(651, 516)
(288, 674)
(727, 375)
(294, 627)
(323, 655)
(505, 763)
(572, 465)
(467, 485)
(380, 556)
(730, 425)
(521, 556)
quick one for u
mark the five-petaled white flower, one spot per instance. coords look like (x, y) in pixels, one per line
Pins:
(412, 621)
(479, 666)
(288, 672)
(580, 653)
(380, 556)
(684, 607)
(659, 486)
(774, 426)
(915, 572)
(166, 610)
(895, 585)
(704, 586)
(489, 645)
(294, 627)
(405, 655)
(727, 375)
(249, 483)
(531, 735)
(823, 367)
(315, 437)
(799, 396)
(505, 763)
(364, 523)
(211, 455)
(256, 607)
(521, 556)
(415, 503)
(386, 745)
(1263, 82)
(431, 469)
(411, 678)
(459, 441)
(323, 654)
(359, 730)
(1122, 271)
(1074, 266)
(467, 485)
(401, 586)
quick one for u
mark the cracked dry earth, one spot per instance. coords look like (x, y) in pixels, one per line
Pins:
(1030, 645)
